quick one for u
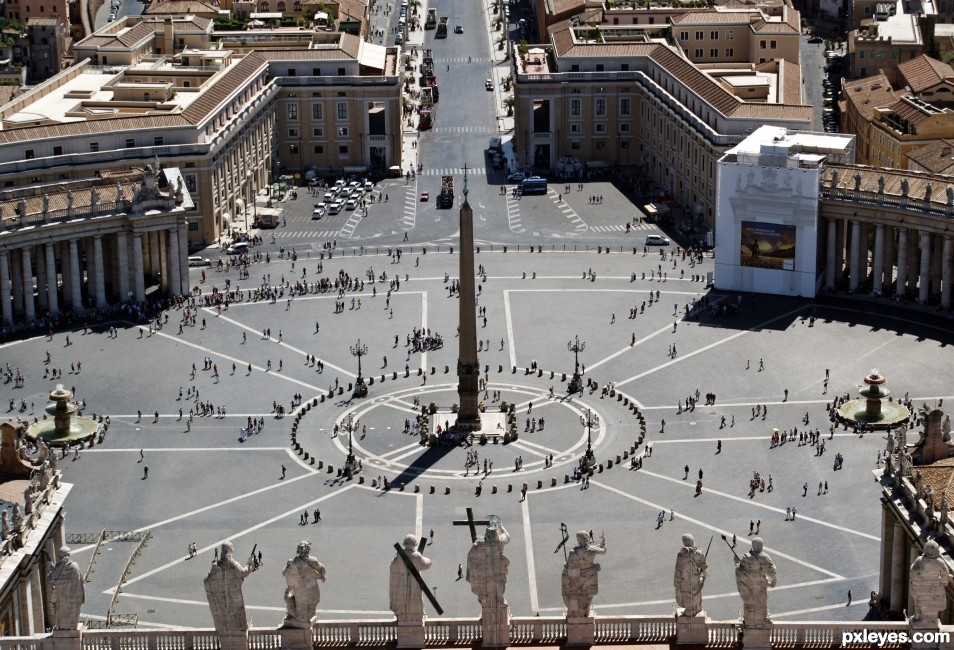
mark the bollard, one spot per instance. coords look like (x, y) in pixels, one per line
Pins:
(539, 372)
(493, 489)
(331, 469)
(370, 381)
(563, 377)
(446, 490)
(361, 480)
(515, 370)
(417, 489)
(625, 401)
(382, 378)
(433, 370)
(341, 390)
(618, 459)
(539, 484)
(446, 369)
(339, 474)
(566, 478)
(322, 399)
(625, 454)
(619, 396)
(553, 482)
(394, 375)
(432, 490)
(632, 449)
(486, 367)
(509, 487)
(526, 371)
(407, 373)
(312, 461)
(401, 489)
(600, 466)
(609, 464)
(420, 371)
(552, 374)
(350, 388)
(321, 464)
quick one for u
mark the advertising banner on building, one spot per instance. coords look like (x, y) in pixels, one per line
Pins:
(767, 246)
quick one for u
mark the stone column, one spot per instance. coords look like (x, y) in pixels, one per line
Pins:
(945, 274)
(902, 260)
(162, 248)
(29, 309)
(98, 270)
(41, 290)
(139, 279)
(183, 230)
(840, 234)
(830, 262)
(122, 266)
(924, 279)
(878, 271)
(898, 599)
(855, 256)
(51, 283)
(90, 269)
(16, 270)
(887, 546)
(913, 266)
(76, 280)
(888, 278)
(5, 294)
(172, 263)
(468, 366)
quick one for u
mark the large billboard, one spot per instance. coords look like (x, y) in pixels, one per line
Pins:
(767, 246)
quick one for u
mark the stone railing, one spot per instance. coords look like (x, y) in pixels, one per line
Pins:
(867, 197)
(467, 631)
(930, 520)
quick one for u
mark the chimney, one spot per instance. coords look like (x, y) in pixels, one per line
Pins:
(168, 37)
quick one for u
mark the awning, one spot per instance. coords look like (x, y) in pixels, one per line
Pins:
(268, 15)
(597, 164)
(321, 15)
(372, 56)
(656, 209)
(355, 169)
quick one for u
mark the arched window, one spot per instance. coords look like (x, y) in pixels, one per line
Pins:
(263, 6)
(297, 5)
(281, 7)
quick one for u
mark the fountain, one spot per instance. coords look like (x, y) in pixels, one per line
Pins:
(873, 410)
(66, 427)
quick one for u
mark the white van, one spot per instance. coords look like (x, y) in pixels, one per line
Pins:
(200, 261)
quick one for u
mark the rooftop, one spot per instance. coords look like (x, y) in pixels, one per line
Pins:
(936, 157)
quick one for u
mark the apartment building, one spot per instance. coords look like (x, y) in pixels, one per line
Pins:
(617, 97)
(231, 110)
(24, 10)
(737, 36)
(928, 79)
(896, 32)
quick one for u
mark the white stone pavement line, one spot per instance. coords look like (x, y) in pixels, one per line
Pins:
(400, 405)
(651, 335)
(522, 442)
(719, 531)
(756, 504)
(571, 215)
(351, 224)
(424, 295)
(519, 444)
(202, 603)
(419, 515)
(528, 550)
(398, 450)
(508, 316)
(706, 348)
(212, 506)
(861, 602)
(236, 535)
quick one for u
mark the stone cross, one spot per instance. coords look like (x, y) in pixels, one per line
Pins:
(472, 524)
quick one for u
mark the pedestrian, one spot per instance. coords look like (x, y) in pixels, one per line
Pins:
(283, 472)
(142, 456)
(848, 604)
(145, 472)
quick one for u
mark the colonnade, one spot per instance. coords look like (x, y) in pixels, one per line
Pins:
(889, 259)
(89, 268)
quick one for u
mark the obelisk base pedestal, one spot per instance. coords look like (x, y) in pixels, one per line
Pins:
(495, 628)
(691, 629)
(410, 634)
(580, 631)
(296, 638)
(919, 626)
(757, 637)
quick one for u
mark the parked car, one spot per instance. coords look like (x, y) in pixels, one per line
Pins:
(200, 261)
(335, 207)
(657, 240)
(329, 197)
(237, 249)
(458, 29)
(351, 204)
(489, 84)
(318, 212)
(516, 177)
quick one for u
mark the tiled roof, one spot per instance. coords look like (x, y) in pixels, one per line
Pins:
(221, 88)
(125, 38)
(936, 157)
(697, 81)
(331, 54)
(351, 9)
(790, 82)
(773, 27)
(181, 7)
(715, 17)
(760, 111)
(870, 94)
(350, 45)
(940, 476)
(906, 111)
(922, 72)
(558, 7)
(91, 127)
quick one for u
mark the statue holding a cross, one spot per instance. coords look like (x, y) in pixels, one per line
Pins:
(407, 599)
(487, 569)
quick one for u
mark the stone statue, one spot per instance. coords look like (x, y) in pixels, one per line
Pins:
(17, 518)
(93, 198)
(928, 190)
(42, 450)
(406, 599)
(22, 209)
(487, 568)
(890, 446)
(929, 577)
(223, 588)
(4, 526)
(67, 591)
(581, 576)
(46, 204)
(857, 181)
(302, 595)
(943, 509)
(881, 184)
(950, 196)
(691, 572)
(905, 461)
(69, 201)
(904, 187)
(53, 463)
(834, 180)
(28, 498)
(946, 427)
(917, 484)
(754, 574)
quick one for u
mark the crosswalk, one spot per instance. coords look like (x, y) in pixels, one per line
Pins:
(454, 171)
(463, 129)
(301, 234)
(620, 228)
(410, 207)
(461, 59)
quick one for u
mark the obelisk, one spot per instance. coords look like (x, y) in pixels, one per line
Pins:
(468, 367)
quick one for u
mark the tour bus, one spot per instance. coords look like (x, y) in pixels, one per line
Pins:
(534, 185)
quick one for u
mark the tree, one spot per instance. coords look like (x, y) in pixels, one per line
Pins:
(508, 103)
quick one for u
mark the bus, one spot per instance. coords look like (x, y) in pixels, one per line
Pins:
(533, 185)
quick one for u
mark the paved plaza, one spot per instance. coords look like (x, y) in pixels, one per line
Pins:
(205, 486)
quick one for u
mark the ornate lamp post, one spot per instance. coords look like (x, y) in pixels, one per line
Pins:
(589, 419)
(360, 388)
(575, 346)
(351, 464)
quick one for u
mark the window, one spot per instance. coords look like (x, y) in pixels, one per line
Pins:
(730, 34)
(894, 53)
(342, 110)
(600, 145)
(29, 154)
(575, 67)
(343, 149)
(342, 132)
(57, 150)
(292, 133)
(652, 20)
(190, 182)
(157, 141)
(94, 147)
(600, 128)
(773, 45)
(683, 36)
(698, 52)
(624, 128)
(317, 133)
(293, 112)
(713, 36)
(319, 148)
(624, 67)
(861, 54)
(867, 11)
(714, 53)
(293, 149)
(576, 107)
(317, 113)
(700, 35)
(574, 144)
(292, 72)
(762, 45)
(729, 52)
(624, 106)
(600, 106)
(576, 127)
(599, 67)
